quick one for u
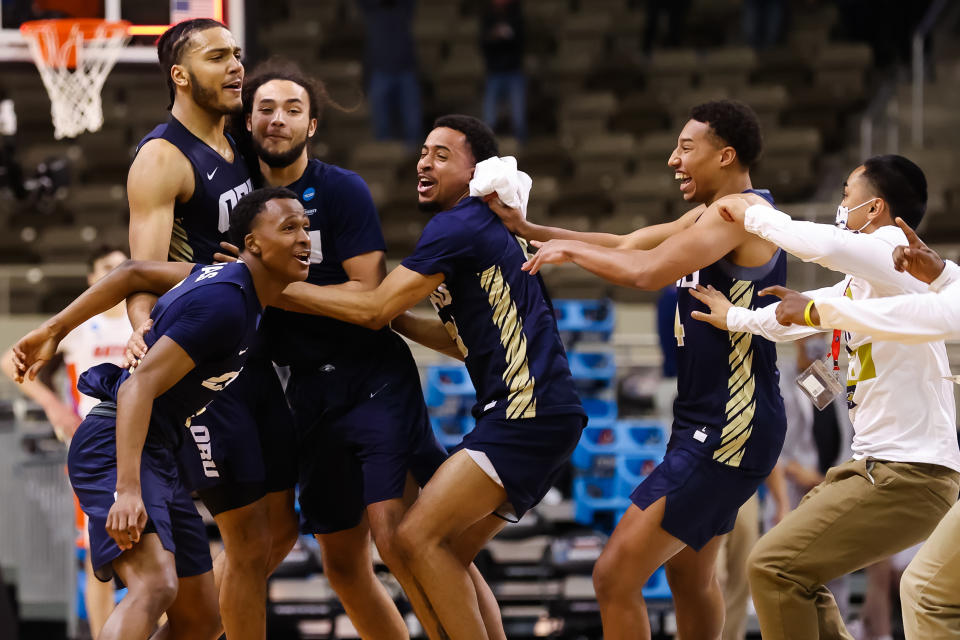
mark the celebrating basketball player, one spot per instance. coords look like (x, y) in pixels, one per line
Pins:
(185, 179)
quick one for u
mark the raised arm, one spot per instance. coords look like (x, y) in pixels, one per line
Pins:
(158, 177)
(699, 245)
(865, 255)
(37, 347)
(645, 238)
(909, 318)
(373, 309)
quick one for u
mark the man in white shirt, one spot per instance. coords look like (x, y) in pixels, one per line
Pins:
(930, 587)
(905, 471)
(100, 339)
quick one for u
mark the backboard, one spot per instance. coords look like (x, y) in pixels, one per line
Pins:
(148, 18)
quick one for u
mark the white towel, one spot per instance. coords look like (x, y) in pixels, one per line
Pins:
(501, 175)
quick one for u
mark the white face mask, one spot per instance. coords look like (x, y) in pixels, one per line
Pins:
(843, 214)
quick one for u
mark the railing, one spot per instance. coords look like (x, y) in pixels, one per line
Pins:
(883, 114)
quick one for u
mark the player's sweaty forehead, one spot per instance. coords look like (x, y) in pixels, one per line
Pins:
(450, 140)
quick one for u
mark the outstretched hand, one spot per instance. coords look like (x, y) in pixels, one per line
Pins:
(32, 352)
(916, 258)
(550, 252)
(716, 302)
(733, 208)
(791, 307)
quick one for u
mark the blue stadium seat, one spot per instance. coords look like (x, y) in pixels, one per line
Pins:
(657, 587)
(596, 366)
(596, 452)
(451, 429)
(642, 434)
(600, 412)
(632, 468)
(595, 503)
(445, 381)
(594, 317)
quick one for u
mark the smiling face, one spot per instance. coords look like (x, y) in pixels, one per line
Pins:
(697, 161)
(210, 66)
(279, 237)
(280, 122)
(444, 171)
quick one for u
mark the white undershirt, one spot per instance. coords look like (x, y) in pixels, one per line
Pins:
(100, 339)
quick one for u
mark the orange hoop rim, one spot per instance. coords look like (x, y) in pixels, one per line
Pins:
(62, 29)
(64, 26)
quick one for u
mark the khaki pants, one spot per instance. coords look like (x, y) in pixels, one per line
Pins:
(930, 587)
(732, 568)
(863, 511)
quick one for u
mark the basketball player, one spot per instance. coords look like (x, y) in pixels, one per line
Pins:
(185, 179)
(143, 525)
(102, 338)
(729, 419)
(929, 587)
(363, 430)
(529, 417)
(905, 471)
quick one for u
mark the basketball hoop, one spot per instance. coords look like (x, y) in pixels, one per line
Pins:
(74, 57)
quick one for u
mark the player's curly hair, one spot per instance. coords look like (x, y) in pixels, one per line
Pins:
(170, 47)
(901, 184)
(483, 144)
(249, 207)
(277, 68)
(736, 124)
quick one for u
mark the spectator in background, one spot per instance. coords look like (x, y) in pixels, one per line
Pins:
(762, 22)
(502, 44)
(391, 69)
(100, 339)
(676, 19)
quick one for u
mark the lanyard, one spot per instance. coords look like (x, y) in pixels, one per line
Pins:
(835, 349)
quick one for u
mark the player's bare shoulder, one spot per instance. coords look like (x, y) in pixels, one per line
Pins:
(160, 170)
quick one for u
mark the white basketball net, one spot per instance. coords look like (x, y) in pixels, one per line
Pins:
(75, 93)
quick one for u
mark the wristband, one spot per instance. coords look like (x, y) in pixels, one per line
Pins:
(806, 314)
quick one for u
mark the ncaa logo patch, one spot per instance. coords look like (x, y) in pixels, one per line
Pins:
(309, 193)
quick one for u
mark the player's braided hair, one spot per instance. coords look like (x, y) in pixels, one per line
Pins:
(901, 184)
(483, 144)
(249, 207)
(170, 47)
(736, 124)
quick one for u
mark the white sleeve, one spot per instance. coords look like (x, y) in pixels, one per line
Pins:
(864, 255)
(909, 318)
(949, 275)
(763, 322)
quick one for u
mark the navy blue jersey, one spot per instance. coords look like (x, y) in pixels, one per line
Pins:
(213, 315)
(343, 225)
(728, 402)
(201, 223)
(498, 314)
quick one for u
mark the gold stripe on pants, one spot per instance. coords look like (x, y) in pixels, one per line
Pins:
(930, 587)
(863, 511)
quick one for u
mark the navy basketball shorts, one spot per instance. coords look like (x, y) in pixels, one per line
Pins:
(527, 454)
(242, 446)
(703, 496)
(359, 431)
(92, 465)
